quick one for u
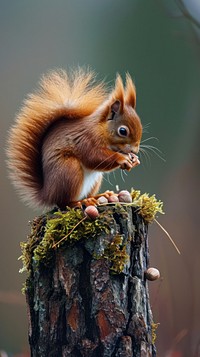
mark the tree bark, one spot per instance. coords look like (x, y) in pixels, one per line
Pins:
(78, 307)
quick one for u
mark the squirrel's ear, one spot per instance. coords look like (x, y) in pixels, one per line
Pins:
(130, 92)
(115, 107)
(118, 96)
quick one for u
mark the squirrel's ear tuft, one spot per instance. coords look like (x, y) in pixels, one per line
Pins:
(130, 92)
(118, 95)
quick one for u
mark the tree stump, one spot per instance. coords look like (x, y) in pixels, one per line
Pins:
(91, 298)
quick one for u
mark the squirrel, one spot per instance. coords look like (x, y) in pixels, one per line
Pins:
(68, 133)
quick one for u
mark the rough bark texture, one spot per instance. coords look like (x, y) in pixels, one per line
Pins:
(78, 307)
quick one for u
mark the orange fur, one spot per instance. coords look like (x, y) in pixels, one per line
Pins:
(130, 94)
(118, 92)
(63, 135)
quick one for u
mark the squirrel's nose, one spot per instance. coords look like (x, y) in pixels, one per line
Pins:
(135, 149)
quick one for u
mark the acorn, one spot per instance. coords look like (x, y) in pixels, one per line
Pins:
(125, 196)
(92, 212)
(152, 274)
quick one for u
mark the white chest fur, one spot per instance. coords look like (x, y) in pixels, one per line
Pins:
(89, 180)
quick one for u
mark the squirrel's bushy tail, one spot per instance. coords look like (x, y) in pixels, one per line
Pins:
(59, 96)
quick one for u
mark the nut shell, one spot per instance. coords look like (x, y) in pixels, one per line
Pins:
(125, 196)
(102, 200)
(113, 198)
(152, 274)
(92, 212)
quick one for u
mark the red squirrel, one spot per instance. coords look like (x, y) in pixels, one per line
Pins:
(68, 133)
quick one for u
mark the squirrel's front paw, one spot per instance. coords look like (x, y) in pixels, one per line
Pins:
(129, 161)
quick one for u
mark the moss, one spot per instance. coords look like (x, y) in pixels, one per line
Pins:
(56, 229)
(28, 247)
(116, 253)
(154, 327)
(148, 206)
(24, 288)
(53, 231)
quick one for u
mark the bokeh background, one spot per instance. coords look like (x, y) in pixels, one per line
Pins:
(158, 42)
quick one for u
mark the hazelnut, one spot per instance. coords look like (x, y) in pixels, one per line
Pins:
(125, 196)
(92, 212)
(152, 274)
(113, 198)
(102, 200)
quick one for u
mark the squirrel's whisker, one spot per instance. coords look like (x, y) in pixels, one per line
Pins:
(153, 149)
(151, 138)
(146, 156)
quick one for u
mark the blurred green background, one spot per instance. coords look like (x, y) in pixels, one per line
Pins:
(160, 47)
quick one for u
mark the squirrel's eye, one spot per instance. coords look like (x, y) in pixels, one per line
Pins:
(123, 131)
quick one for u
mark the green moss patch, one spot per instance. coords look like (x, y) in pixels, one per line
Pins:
(56, 229)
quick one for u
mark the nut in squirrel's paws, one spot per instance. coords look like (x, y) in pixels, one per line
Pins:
(134, 159)
(130, 160)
